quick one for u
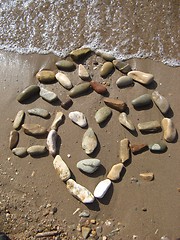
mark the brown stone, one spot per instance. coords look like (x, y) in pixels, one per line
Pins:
(115, 104)
(138, 148)
(98, 87)
(34, 129)
(67, 103)
(114, 173)
(147, 176)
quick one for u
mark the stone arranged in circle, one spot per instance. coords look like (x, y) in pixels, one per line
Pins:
(79, 89)
(28, 93)
(106, 69)
(158, 147)
(161, 102)
(152, 126)
(13, 139)
(48, 95)
(124, 81)
(122, 66)
(126, 122)
(89, 165)
(102, 114)
(102, 188)
(138, 148)
(34, 129)
(57, 120)
(46, 76)
(83, 73)
(124, 152)
(64, 80)
(115, 104)
(89, 141)
(52, 142)
(105, 56)
(169, 129)
(20, 151)
(79, 54)
(147, 176)
(78, 118)
(115, 172)
(61, 168)
(141, 77)
(142, 101)
(18, 119)
(39, 112)
(65, 65)
(98, 87)
(37, 150)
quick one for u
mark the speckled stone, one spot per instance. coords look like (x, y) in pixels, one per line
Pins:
(89, 141)
(124, 81)
(126, 122)
(19, 119)
(64, 80)
(142, 101)
(37, 150)
(141, 77)
(169, 129)
(115, 172)
(13, 139)
(115, 104)
(65, 65)
(61, 168)
(161, 102)
(48, 95)
(46, 76)
(88, 165)
(28, 93)
(152, 126)
(79, 89)
(106, 69)
(39, 112)
(34, 129)
(20, 151)
(102, 114)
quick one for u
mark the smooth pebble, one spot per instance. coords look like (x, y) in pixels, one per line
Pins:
(52, 142)
(161, 102)
(126, 122)
(102, 114)
(89, 141)
(141, 77)
(89, 165)
(64, 80)
(102, 188)
(169, 130)
(78, 118)
(19, 119)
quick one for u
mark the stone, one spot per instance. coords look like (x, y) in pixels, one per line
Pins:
(89, 165)
(142, 101)
(64, 80)
(37, 150)
(115, 104)
(89, 141)
(124, 153)
(83, 73)
(52, 142)
(85, 232)
(122, 66)
(79, 192)
(61, 168)
(80, 54)
(34, 129)
(19, 119)
(102, 114)
(48, 95)
(169, 130)
(124, 81)
(115, 172)
(84, 213)
(152, 126)
(79, 89)
(126, 122)
(102, 188)
(106, 56)
(78, 118)
(147, 176)
(65, 65)
(106, 69)
(57, 120)
(3, 236)
(20, 151)
(67, 103)
(39, 112)
(28, 93)
(158, 147)
(13, 139)
(161, 102)
(46, 76)
(141, 77)
(98, 87)
(138, 148)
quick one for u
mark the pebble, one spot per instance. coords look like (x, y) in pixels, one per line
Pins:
(79, 89)
(85, 232)
(168, 129)
(46, 76)
(105, 56)
(52, 142)
(141, 77)
(84, 213)
(89, 165)
(126, 122)
(124, 81)
(67, 103)
(57, 120)
(158, 147)
(122, 66)
(152, 126)
(142, 101)
(106, 69)
(19, 119)
(78, 118)
(39, 112)
(115, 172)
(124, 153)
(89, 141)
(102, 114)
(37, 150)
(61, 168)
(34, 129)
(161, 102)
(102, 188)
(28, 93)
(79, 192)
(98, 87)
(13, 139)
(83, 73)
(138, 148)
(65, 65)
(115, 104)
(48, 95)
(147, 176)
(64, 80)
(79, 54)
(20, 151)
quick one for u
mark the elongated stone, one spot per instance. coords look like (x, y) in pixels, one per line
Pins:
(141, 77)
(142, 101)
(46, 76)
(39, 112)
(61, 168)
(65, 65)
(34, 129)
(102, 114)
(52, 142)
(106, 69)
(102, 188)
(79, 54)
(152, 126)
(158, 147)
(20, 151)
(48, 95)
(122, 66)
(106, 56)
(124, 153)
(79, 89)
(147, 176)
(161, 102)
(57, 120)
(78, 118)
(126, 122)
(115, 172)
(138, 148)
(64, 80)
(79, 192)
(169, 129)
(98, 87)
(89, 141)
(18, 119)
(85, 232)
(28, 93)
(37, 150)
(88, 165)
(13, 139)
(124, 81)
(115, 104)
(83, 73)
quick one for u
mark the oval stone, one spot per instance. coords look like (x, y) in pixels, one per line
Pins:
(102, 114)
(115, 172)
(124, 81)
(28, 93)
(106, 69)
(142, 101)
(37, 150)
(102, 188)
(88, 165)
(115, 104)
(79, 89)
(141, 77)
(13, 139)
(34, 129)
(147, 176)
(161, 102)
(18, 119)
(39, 112)
(61, 168)
(122, 66)
(20, 151)
(46, 76)
(169, 129)
(89, 141)
(57, 120)
(83, 73)
(78, 118)
(52, 142)
(158, 147)
(65, 65)
(106, 56)
(126, 122)
(151, 126)
(64, 80)
(80, 53)
(98, 87)
(48, 95)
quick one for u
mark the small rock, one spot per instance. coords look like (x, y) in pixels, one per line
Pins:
(115, 172)
(79, 54)
(168, 129)
(83, 73)
(115, 104)
(138, 148)
(124, 150)
(141, 77)
(78, 118)
(102, 114)
(28, 93)
(79, 89)
(106, 69)
(65, 65)
(48, 95)
(88, 165)
(105, 56)
(142, 101)
(147, 176)
(52, 142)
(79, 192)
(46, 76)
(64, 80)
(85, 232)
(13, 139)
(165, 238)
(67, 103)
(89, 141)
(161, 102)
(84, 213)
(152, 126)
(18, 119)
(122, 66)
(124, 81)
(102, 188)
(57, 121)
(158, 147)
(37, 150)
(61, 168)
(34, 129)
(39, 112)
(20, 151)
(126, 122)
(98, 87)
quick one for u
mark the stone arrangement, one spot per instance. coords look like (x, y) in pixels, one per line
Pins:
(90, 139)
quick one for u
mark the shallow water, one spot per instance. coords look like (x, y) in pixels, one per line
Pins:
(141, 28)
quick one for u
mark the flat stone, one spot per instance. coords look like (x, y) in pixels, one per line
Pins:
(79, 54)
(79, 192)
(89, 165)
(124, 153)
(106, 69)
(115, 172)
(161, 102)
(61, 168)
(37, 150)
(169, 129)
(102, 188)
(65, 65)
(158, 147)
(147, 176)
(48, 95)
(52, 142)
(106, 56)
(78, 118)
(142, 101)
(126, 122)
(19, 119)
(67, 103)
(20, 151)
(152, 126)
(34, 129)
(84, 213)
(28, 93)
(57, 120)
(115, 104)
(79, 89)
(122, 66)
(102, 114)
(64, 80)
(124, 81)
(85, 232)
(39, 112)
(138, 148)
(83, 73)
(141, 77)
(13, 139)
(98, 87)
(89, 141)
(46, 76)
